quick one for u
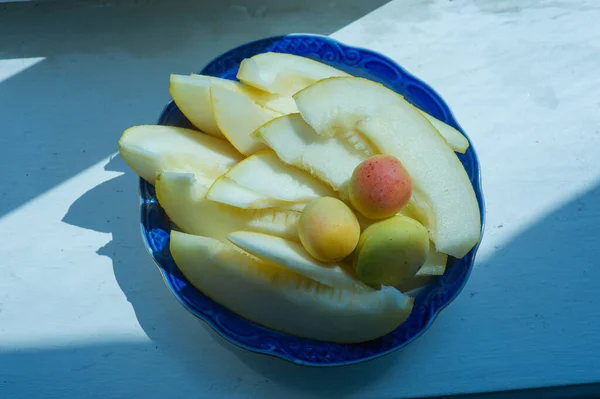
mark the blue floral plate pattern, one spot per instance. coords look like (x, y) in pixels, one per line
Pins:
(428, 302)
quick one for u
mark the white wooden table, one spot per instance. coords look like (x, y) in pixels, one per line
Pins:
(83, 310)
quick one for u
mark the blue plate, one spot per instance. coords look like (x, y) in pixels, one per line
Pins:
(246, 334)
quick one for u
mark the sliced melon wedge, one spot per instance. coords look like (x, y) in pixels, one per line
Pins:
(293, 256)
(192, 96)
(227, 191)
(237, 116)
(183, 198)
(453, 137)
(335, 105)
(283, 74)
(275, 102)
(151, 149)
(283, 300)
(264, 181)
(330, 159)
(435, 265)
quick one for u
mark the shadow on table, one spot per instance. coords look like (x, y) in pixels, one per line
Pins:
(87, 70)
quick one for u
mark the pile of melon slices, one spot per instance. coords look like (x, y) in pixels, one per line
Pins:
(293, 130)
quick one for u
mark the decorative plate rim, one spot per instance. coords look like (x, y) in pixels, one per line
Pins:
(282, 355)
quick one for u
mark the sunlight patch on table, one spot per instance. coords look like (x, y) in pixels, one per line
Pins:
(14, 66)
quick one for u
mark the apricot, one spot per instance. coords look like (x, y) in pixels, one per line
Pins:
(391, 251)
(380, 187)
(328, 229)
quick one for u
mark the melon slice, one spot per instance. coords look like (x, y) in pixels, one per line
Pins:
(330, 159)
(435, 265)
(183, 197)
(283, 74)
(151, 149)
(264, 181)
(293, 256)
(237, 116)
(192, 96)
(227, 191)
(282, 300)
(275, 102)
(455, 139)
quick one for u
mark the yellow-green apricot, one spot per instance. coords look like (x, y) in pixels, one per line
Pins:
(391, 251)
(328, 229)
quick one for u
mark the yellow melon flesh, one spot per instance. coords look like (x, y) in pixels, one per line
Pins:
(192, 96)
(183, 198)
(330, 159)
(263, 181)
(283, 74)
(283, 300)
(435, 265)
(294, 257)
(453, 137)
(151, 149)
(227, 191)
(237, 116)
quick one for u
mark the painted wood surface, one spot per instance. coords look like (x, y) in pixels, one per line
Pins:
(83, 311)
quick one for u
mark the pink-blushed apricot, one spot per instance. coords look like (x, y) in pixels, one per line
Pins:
(380, 187)
(328, 229)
